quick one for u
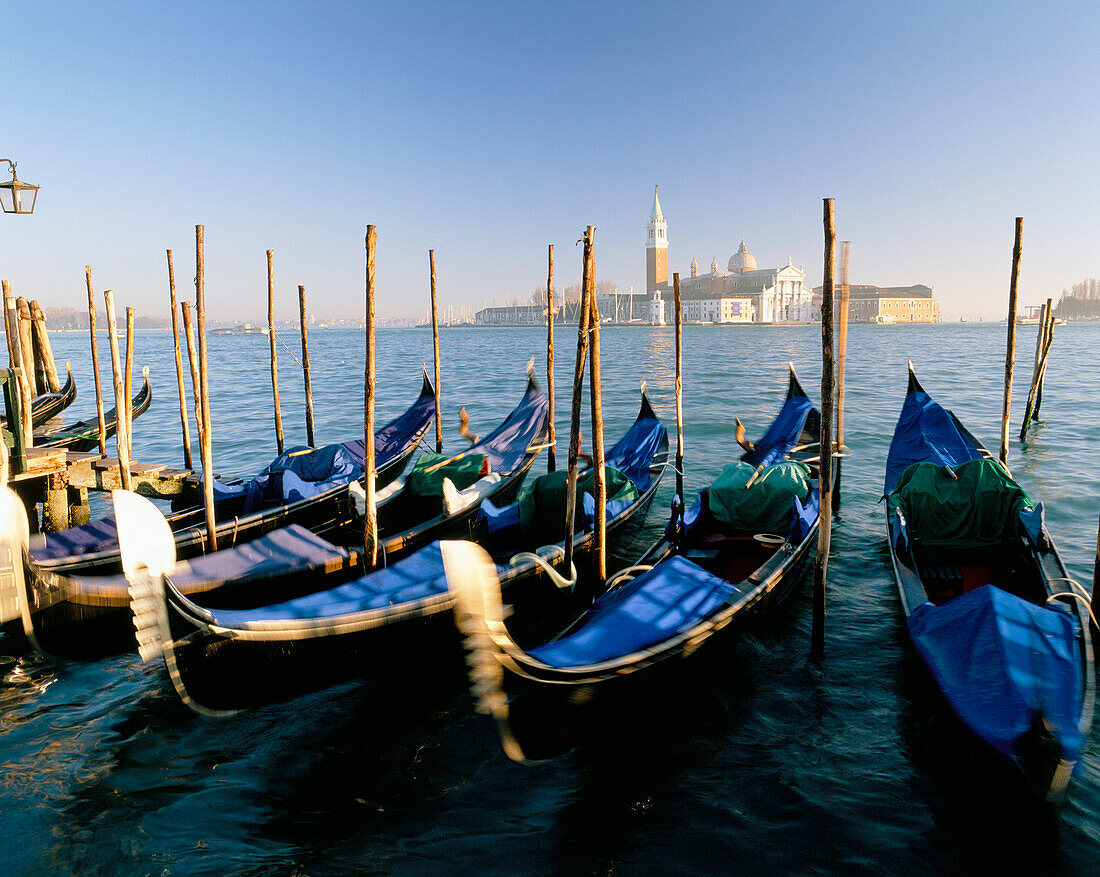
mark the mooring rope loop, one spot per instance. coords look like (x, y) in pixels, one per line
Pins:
(556, 577)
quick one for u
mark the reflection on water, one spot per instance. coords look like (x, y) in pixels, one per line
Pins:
(751, 759)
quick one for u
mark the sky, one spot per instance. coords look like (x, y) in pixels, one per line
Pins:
(486, 131)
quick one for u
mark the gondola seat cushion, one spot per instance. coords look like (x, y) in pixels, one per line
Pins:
(767, 505)
(980, 505)
(426, 477)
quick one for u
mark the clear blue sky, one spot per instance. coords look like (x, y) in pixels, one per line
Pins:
(488, 130)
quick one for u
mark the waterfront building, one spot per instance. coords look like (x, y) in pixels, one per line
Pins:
(742, 293)
(889, 304)
(656, 250)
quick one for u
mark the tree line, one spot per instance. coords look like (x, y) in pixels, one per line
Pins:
(1080, 300)
(72, 318)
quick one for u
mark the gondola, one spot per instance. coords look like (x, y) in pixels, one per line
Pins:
(87, 615)
(989, 606)
(245, 510)
(84, 434)
(441, 497)
(48, 405)
(222, 661)
(742, 548)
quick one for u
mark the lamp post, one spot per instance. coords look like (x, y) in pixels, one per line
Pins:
(15, 195)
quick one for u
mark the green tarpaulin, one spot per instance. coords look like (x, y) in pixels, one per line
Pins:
(542, 502)
(767, 506)
(424, 480)
(979, 506)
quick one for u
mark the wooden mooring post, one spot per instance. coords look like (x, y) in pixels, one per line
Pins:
(1044, 340)
(841, 359)
(95, 363)
(679, 393)
(825, 459)
(595, 397)
(435, 359)
(15, 351)
(42, 350)
(305, 368)
(128, 405)
(26, 345)
(207, 446)
(551, 461)
(575, 426)
(193, 365)
(179, 364)
(274, 355)
(370, 518)
(122, 439)
(1010, 357)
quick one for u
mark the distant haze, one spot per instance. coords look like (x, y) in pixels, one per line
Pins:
(487, 131)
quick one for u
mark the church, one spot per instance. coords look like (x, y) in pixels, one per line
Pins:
(742, 293)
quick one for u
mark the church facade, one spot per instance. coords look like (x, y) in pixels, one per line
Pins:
(742, 293)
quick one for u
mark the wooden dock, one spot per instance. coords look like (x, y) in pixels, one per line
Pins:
(60, 480)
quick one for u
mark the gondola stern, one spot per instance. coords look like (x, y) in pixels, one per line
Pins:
(914, 385)
(479, 614)
(794, 388)
(532, 384)
(426, 388)
(144, 537)
(14, 535)
(144, 398)
(646, 411)
(149, 609)
(148, 552)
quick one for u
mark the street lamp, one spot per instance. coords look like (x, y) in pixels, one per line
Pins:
(15, 195)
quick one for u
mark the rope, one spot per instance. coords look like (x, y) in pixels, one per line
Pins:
(625, 575)
(288, 350)
(556, 577)
(1078, 592)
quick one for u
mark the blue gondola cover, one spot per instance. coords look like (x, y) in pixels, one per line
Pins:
(925, 432)
(668, 600)
(416, 577)
(999, 660)
(783, 433)
(298, 473)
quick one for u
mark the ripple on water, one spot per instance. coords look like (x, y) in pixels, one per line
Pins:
(751, 758)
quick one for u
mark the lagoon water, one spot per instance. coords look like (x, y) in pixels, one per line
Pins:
(759, 761)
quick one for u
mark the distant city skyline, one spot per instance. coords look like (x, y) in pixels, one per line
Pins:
(488, 131)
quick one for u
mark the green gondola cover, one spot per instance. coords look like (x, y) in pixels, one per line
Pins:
(767, 505)
(425, 481)
(542, 502)
(980, 506)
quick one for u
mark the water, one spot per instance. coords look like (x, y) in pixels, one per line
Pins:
(761, 760)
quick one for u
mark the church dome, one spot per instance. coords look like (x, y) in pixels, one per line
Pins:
(742, 260)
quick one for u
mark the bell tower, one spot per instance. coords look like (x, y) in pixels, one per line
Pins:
(656, 249)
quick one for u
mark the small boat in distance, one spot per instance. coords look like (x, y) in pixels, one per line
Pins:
(239, 329)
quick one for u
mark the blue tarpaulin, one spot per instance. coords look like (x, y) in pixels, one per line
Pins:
(414, 578)
(999, 660)
(783, 433)
(299, 473)
(926, 432)
(276, 553)
(668, 600)
(632, 456)
(393, 438)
